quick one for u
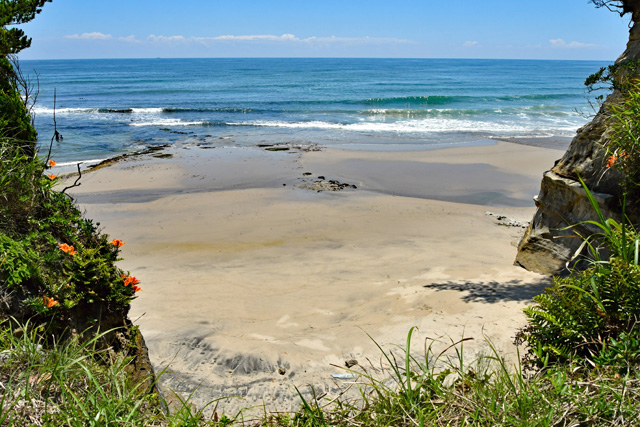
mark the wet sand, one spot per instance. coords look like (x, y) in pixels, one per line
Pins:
(254, 282)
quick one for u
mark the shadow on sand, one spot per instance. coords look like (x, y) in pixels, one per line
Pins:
(493, 291)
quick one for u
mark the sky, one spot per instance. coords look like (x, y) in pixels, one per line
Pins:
(509, 29)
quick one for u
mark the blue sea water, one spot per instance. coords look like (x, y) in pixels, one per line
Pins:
(108, 107)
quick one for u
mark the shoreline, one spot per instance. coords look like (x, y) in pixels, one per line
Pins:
(68, 168)
(253, 283)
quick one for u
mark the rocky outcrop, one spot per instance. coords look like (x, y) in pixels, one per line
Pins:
(553, 236)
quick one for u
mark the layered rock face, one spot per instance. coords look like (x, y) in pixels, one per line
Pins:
(548, 243)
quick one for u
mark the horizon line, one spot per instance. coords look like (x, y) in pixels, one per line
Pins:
(315, 57)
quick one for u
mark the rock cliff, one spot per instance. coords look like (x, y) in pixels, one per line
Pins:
(547, 244)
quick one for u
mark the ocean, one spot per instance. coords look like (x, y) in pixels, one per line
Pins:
(104, 108)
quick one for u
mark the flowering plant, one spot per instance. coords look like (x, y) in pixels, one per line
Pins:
(54, 262)
(623, 145)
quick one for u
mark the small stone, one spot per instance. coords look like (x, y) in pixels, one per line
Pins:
(351, 362)
(321, 177)
(282, 371)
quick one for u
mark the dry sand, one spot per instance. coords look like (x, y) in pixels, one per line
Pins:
(253, 283)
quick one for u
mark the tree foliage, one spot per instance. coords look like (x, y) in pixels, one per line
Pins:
(15, 122)
(620, 6)
(16, 12)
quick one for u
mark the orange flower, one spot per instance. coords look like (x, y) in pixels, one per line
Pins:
(611, 160)
(52, 176)
(136, 288)
(49, 302)
(130, 280)
(68, 249)
(52, 163)
(117, 242)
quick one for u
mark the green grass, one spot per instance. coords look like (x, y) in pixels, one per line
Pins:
(69, 383)
(445, 390)
(74, 384)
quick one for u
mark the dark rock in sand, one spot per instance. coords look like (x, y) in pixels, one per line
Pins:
(323, 185)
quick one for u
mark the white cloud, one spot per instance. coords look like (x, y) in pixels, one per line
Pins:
(129, 39)
(246, 44)
(90, 36)
(284, 38)
(471, 43)
(165, 39)
(559, 43)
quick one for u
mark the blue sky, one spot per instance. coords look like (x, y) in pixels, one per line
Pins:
(518, 29)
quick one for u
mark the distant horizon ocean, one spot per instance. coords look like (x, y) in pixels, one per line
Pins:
(109, 107)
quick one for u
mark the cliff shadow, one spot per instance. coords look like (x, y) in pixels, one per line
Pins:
(494, 291)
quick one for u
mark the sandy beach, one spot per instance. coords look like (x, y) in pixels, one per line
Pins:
(256, 277)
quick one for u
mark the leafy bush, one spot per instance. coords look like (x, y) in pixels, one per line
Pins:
(55, 266)
(623, 146)
(593, 314)
(52, 260)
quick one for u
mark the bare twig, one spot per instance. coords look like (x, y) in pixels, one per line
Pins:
(55, 128)
(23, 82)
(77, 182)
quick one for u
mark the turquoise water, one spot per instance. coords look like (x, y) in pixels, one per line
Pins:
(107, 107)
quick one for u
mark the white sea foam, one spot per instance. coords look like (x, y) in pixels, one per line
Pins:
(84, 162)
(47, 110)
(522, 122)
(432, 125)
(77, 110)
(163, 122)
(147, 110)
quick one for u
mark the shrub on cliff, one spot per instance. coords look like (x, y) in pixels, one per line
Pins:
(54, 264)
(593, 315)
(58, 275)
(56, 268)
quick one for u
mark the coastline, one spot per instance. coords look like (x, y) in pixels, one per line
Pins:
(253, 281)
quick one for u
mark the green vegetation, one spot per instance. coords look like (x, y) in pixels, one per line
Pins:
(623, 146)
(55, 267)
(57, 271)
(15, 121)
(591, 316)
(441, 391)
(71, 383)
(612, 77)
(66, 383)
